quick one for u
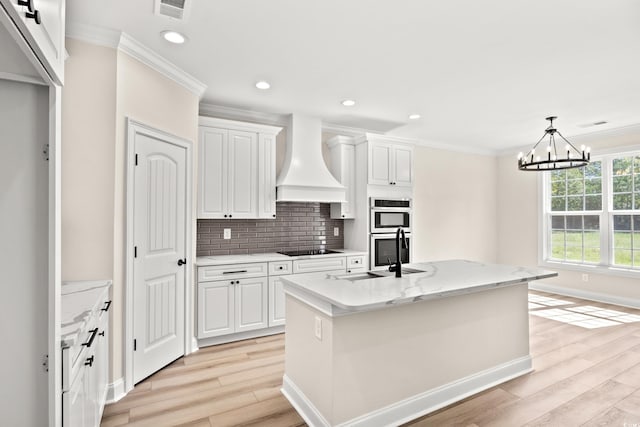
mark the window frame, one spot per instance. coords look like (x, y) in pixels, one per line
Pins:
(605, 266)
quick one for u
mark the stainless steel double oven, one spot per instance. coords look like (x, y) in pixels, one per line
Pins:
(386, 215)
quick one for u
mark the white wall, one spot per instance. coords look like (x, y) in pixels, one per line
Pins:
(519, 211)
(24, 253)
(455, 206)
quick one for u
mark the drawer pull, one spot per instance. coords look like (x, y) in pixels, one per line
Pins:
(106, 306)
(101, 334)
(89, 361)
(234, 272)
(94, 332)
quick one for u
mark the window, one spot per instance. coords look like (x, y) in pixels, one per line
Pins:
(592, 214)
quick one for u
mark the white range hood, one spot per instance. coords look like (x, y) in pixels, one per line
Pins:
(304, 176)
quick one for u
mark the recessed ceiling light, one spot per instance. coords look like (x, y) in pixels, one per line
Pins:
(348, 102)
(414, 116)
(263, 85)
(174, 37)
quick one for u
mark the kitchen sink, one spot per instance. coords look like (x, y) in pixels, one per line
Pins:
(377, 274)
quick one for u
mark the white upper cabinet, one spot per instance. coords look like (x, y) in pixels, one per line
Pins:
(343, 168)
(390, 163)
(236, 169)
(42, 24)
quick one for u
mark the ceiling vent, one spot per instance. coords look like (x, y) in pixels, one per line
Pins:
(176, 9)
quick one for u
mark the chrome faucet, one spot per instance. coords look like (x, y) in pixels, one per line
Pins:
(397, 267)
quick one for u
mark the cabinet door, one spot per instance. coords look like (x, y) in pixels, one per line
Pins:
(267, 176)
(47, 38)
(276, 302)
(380, 164)
(212, 173)
(102, 361)
(403, 166)
(74, 402)
(242, 175)
(251, 304)
(348, 165)
(216, 309)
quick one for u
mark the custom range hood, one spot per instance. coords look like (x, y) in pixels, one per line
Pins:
(304, 176)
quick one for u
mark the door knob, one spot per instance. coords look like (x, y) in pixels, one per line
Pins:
(182, 262)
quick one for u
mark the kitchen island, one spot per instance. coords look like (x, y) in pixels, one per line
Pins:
(367, 350)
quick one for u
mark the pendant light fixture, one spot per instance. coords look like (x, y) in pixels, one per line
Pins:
(555, 157)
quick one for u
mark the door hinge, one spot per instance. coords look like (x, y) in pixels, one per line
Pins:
(135, 252)
(135, 344)
(45, 152)
(45, 362)
(136, 160)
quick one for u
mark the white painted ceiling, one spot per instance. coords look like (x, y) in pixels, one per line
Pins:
(482, 74)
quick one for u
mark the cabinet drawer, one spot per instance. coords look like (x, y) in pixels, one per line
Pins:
(279, 268)
(355, 262)
(319, 264)
(233, 271)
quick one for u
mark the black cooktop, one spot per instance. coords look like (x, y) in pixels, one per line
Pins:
(309, 252)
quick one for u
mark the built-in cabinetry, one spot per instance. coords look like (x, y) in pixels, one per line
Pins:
(85, 352)
(237, 298)
(390, 163)
(343, 167)
(236, 169)
(42, 24)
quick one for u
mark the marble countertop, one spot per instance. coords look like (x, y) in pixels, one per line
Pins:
(79, 300)
(266, 257)
(340, 294)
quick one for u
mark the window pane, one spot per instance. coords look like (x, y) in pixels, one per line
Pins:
(592, 255)
(574, 223)
(558, 175)
(622, 184)
(557, 222)
(575, 187)
(636, 225)
(636, 200)
(591, 222)
(591, 239)
(636, 258)
(558, 204)
(622, 240)
(574, 253)
(574, 238)
(593, 186)
(622, 201)
(557, 238)
(559, 188)
(622, 222)
(576, 173)
(593, 170)
(636, 181)
(622, 166)
(622, 257)
(575, 203)
(593, 203)
(636, 164)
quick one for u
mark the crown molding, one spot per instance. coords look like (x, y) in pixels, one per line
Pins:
(235, 125)
(231, 113)
(125, 43)
(142, 53)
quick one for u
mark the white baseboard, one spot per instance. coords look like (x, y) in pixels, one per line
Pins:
(415, 406)
(223, 339)
(588, 295)
(115, 390)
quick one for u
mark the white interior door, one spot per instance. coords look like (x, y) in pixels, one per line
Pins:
(160, 226)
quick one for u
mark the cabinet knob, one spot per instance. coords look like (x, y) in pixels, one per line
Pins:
(342, 216)
(357, 262)
(101, 334)
(225, 215)
(182, 262)
(281, 268)
(274, 215)
(229, 216)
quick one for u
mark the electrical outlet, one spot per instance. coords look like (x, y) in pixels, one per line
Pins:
(585, 277)
(336, 231)
(227, 233)
(318, 328)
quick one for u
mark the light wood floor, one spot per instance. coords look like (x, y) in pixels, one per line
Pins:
(582, 377)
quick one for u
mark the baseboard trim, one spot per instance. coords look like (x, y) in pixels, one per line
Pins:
(415, 406)
(115, 390)
(588, 295)
(256, 333)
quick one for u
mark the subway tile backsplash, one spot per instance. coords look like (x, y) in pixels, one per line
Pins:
(297, 226)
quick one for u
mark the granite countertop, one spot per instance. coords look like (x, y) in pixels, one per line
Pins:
(79, 300)
(267, 257)
(437, 280)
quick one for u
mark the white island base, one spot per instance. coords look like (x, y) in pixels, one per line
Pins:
(390, 365)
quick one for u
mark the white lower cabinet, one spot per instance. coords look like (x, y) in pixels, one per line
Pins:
(251, 297)
(276, 301)
(229, 306)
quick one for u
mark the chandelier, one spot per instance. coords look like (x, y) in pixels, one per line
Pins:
(554, 158)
